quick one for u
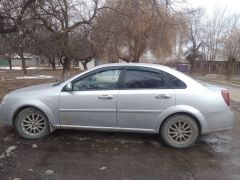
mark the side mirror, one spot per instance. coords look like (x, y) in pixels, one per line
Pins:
(69, 86)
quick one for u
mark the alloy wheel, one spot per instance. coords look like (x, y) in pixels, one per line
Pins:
(180, 132)
(33, 124)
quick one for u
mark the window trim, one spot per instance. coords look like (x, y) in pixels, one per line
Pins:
(95, 72)
(121, 80)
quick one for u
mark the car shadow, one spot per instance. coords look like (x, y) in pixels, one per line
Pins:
(215, 142)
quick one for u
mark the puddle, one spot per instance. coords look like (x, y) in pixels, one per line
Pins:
(218, 149)
(122, 141)
(155, 144)
(103, 141)
(236, 163)
(217, 143)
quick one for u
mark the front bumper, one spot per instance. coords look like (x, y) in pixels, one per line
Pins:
(4, 119)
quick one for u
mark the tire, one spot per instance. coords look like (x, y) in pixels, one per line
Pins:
(31, 123)
(180, 131)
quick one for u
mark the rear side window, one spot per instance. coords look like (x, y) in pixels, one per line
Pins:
(175, 82)
(141, 79)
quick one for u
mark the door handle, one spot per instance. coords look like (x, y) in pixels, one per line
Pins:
(163, 96)
(105, 97)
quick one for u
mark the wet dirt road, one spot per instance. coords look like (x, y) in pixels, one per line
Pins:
(233, 90)
(96, 155)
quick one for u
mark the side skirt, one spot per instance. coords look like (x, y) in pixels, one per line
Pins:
(110, 129)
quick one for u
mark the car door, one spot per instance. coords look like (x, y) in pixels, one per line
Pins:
(144, 95)
(92, 102)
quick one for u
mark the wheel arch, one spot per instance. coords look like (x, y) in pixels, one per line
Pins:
(20, 109)
(183, 113)
(43, 109)
(186, 110)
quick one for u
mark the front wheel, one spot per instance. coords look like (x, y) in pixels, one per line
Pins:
(31, 123)
(180, 131)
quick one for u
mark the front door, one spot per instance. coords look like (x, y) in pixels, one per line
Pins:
(92, 102)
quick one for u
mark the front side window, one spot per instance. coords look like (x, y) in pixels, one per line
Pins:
(141, 79)
(105, 80)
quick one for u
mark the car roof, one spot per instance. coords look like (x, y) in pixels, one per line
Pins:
(156, 66)
(149, 65)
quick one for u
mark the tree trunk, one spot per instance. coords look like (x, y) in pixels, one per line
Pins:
(77, 64)
(229, 69)
(136, 58)
(84, 63)
(59, 62)
(10, 64)
(53, 66)
(23, 64)
(136, 61)
(191, 66)
(52, 62)
(66, 69)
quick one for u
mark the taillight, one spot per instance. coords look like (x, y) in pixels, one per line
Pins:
(225, 95)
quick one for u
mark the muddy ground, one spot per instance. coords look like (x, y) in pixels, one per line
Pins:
(9, 81)
(68, 154)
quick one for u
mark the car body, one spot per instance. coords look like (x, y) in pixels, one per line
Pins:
(123, 97)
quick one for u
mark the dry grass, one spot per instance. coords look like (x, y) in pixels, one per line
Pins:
(9, 82)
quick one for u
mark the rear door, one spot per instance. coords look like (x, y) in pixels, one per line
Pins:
(144, 95)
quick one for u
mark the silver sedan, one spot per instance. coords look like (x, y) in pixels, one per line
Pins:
(143, 98)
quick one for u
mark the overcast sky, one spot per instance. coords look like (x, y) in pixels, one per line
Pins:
(233, 6)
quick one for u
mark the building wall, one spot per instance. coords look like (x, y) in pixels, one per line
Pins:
(4, 62)
(30, 62)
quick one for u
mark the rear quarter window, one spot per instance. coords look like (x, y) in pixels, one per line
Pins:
(175, 82)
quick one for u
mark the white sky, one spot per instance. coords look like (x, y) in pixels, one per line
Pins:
(233, 6)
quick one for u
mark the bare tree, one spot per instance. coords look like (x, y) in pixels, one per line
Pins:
(214, 37)
(6, 51)
(12, 13)
(213, 30)
(61, 18)
(45, 45)
(231, 44)
(18, 43)
(133, 27)
(16, 27)
(231, 48)
(82, 47)
(194, 33)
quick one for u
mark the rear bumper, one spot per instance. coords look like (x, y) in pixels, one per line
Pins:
(219, 121)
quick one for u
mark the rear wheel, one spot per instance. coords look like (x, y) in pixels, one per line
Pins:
(31, 123)
(180, 131)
